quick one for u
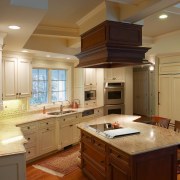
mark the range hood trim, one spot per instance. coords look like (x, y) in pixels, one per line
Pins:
(112, 57)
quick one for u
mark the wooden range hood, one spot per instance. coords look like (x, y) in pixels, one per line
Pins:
(112, 44)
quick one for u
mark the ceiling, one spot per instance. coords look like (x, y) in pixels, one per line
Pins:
(53, 28)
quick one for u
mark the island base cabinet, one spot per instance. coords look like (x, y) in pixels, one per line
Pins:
(101, 160)
(156, 165)
(13, 167)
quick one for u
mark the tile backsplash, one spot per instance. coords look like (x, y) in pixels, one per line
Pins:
(13, 108)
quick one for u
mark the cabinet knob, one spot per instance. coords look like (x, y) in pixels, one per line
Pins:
(47, 123)
(119, 156)
(71, 125)
(19, 93)
(28, 127)
(64, 119)
(102, 162)
(29, 152)
(29, 138)
(47, 129)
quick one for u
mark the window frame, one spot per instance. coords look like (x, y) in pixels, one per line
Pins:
(68, 81)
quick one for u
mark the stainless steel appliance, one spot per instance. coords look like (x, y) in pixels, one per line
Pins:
(114, 93)
(110, 131)
(114, 98)
(114, 109)
(90, 95)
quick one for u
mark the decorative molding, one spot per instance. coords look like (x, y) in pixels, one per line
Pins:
(56, 31)
(91, 14)
(167, 35)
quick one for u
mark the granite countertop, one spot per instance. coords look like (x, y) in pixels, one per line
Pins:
(150, 137)
(11, 138)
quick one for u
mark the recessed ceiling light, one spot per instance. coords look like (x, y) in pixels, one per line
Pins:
(25, 51)
(163, 16)
(14, 27)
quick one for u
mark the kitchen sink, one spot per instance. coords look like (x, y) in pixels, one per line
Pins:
(60, 113)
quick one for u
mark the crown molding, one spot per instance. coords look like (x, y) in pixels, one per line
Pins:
(91, 14)
(57, 31)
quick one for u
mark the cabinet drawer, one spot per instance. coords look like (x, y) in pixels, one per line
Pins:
(30, 153)
(98, 112)
(46, 123)
(92, 171)
(71, 119)
(86, 138)
(31, 138)
(29, 128)
(96, 157)
(98, 145)
(119, 157)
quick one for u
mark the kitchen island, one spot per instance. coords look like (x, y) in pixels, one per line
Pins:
(148, 155)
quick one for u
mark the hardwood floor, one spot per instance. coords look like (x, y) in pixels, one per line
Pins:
(36, 174)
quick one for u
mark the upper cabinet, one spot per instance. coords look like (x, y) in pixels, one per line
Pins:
(90, 77)
(16, 77)
(115, 75)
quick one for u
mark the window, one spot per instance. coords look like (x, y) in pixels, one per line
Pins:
(41, 78)
(58, 85)
(39, 86)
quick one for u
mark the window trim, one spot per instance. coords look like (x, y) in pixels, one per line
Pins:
(40, 65)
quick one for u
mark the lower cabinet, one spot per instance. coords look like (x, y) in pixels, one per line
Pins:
(47, 136)
(68, 131)
(119, 166)
(93, 152)
(100, 160)
(30, 132)
(13, 167)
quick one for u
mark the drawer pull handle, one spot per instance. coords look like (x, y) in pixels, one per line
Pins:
(71, 125)
(29, 138)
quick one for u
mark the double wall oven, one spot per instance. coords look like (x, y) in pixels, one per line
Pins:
(114, 98)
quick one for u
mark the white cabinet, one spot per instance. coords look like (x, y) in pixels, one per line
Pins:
(165, 95)
(115, 75)
(46, 136)
(30, 133)
(90, 77)
(13, 167)
(16, 78)
(68, 132)
(169, 88)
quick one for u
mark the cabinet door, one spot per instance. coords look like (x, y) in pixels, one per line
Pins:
(115, 75)
(9, 78)
(76, 134)
(90, 76)
(47, 140)
(24, 77)
(175, 97)
(165, 96)
(119, 74)
(66, 135)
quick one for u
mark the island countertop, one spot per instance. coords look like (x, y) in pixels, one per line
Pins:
(150, 138)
